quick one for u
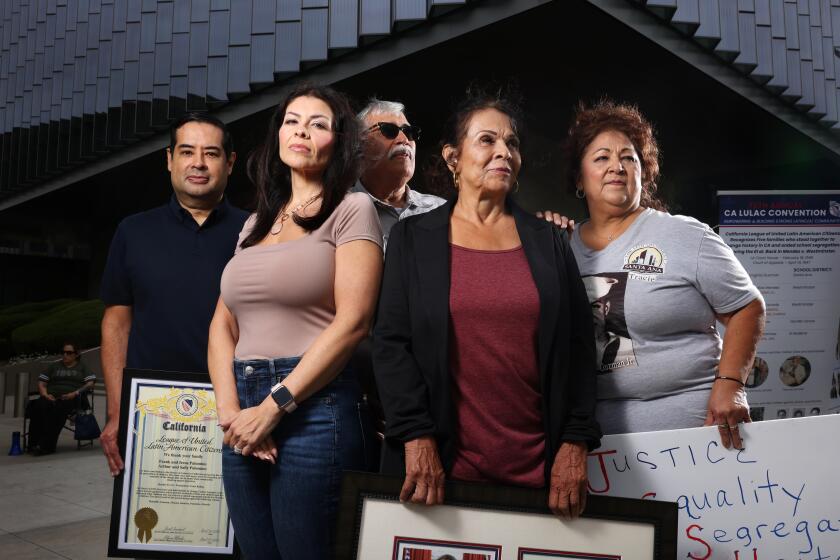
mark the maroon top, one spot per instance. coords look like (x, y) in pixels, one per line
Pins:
(494, 310)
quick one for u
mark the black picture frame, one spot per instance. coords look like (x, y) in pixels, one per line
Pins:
(114, 550)
(357, 487)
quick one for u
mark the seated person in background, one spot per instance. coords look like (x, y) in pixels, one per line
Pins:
(62, 388)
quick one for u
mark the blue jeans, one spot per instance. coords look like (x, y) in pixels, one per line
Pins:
(288, 510)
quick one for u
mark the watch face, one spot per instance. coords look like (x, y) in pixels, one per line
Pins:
(282, 396)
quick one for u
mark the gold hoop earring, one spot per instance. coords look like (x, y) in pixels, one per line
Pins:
(516, 186)
(579, 194)
(455, 179)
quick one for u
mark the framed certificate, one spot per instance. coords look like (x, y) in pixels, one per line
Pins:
(169, 501)
(481, 522)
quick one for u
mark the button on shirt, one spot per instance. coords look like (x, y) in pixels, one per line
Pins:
(167, 267)
(417, 203)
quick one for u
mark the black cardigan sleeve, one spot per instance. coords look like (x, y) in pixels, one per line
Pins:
(402, 387)
(580, 424)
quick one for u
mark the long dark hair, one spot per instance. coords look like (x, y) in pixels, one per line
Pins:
(504, 98)
(272, 177)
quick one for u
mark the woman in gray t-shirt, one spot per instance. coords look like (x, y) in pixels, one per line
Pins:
(657, 284)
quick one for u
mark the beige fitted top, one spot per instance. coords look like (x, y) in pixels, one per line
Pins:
(282, 295)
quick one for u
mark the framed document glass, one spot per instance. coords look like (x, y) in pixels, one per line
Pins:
(169, 499)
(480, 522)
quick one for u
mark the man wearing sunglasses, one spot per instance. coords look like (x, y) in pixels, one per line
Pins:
(390, 147)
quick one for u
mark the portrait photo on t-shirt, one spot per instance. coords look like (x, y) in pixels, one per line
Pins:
(614, 346)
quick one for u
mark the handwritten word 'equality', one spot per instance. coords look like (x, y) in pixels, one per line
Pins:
(741, 491)
(724, 498)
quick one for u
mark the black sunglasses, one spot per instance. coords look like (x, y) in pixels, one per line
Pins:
(391, 131)
(68, 352)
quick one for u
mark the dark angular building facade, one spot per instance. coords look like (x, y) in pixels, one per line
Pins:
(83, 78)
(789, 47)
(88, 88)
(80, 79)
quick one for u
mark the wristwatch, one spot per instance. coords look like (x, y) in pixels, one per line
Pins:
(283, 397)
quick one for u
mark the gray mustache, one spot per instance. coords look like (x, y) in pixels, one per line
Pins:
(399, 150)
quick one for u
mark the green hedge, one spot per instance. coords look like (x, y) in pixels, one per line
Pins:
(79, 321)
(11, 321)
(37, 307)
(16, 316)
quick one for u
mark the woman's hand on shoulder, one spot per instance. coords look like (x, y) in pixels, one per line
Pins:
(567, 493)
(424, 474)
(562, 222)
(728, 407)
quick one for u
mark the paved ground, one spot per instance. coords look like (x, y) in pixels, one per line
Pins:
(56, 506)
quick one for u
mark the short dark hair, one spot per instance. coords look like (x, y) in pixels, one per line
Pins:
(199, 117)
(70, 343)
(605, 115)
(503, 98)
(272, 177)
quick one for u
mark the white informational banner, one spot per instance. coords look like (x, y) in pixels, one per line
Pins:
(789, 243)
(777, 499)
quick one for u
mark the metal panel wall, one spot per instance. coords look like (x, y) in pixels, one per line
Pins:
(84, 77)
(790, 46)
(81, 78)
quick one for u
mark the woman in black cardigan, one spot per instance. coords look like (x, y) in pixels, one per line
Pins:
(483, 347)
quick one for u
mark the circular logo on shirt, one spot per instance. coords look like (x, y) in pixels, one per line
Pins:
(187, 404)
(645, 259)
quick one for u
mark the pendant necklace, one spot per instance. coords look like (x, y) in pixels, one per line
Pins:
(294, 212)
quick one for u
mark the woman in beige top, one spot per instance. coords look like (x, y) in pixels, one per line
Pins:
(296, 298)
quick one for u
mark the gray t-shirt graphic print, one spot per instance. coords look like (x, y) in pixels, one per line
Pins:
(654, 293)
(613, 344)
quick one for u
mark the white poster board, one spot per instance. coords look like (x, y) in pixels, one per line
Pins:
(789, 243)
(777, 499)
